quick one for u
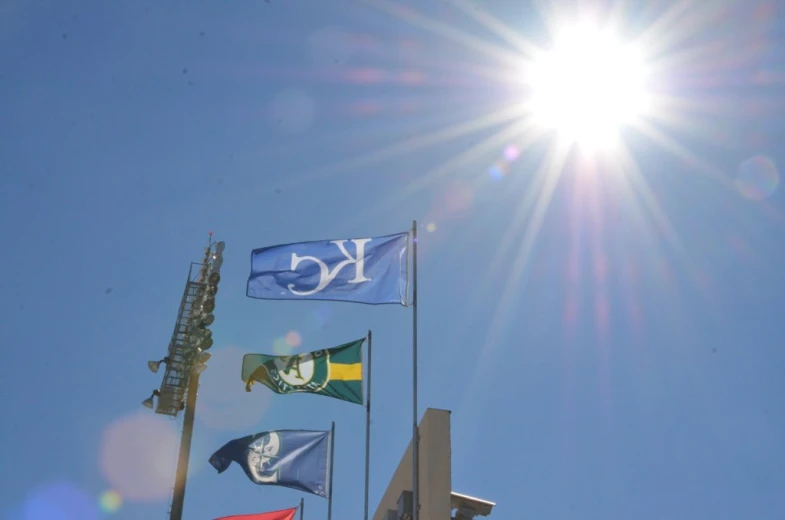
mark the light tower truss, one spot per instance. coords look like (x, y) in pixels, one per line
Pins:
(191, 337)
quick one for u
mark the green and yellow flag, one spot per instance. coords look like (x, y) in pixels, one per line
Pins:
(335, 372)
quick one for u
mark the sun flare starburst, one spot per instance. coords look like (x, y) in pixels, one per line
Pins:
(469, 86)
(588, 86)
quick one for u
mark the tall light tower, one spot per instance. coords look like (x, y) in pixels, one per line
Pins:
(186, 359)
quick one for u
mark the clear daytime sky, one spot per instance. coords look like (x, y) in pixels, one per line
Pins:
(606, 327)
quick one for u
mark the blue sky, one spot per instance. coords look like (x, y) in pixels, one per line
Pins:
(617, 354)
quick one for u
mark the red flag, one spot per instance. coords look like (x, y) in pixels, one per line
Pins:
(283, 514)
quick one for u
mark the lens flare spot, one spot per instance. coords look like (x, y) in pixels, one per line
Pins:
(430, 227)
(511, 153)
(757, 177)
(293, 339)
(59, 501)
(137, 456)
(280, 348)
(499, 170)
(223, 402)
(110, 501)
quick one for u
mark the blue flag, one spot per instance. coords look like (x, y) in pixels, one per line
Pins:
(297, 459)
(359, 270)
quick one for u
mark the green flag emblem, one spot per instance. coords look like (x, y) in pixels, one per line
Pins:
(335, 372)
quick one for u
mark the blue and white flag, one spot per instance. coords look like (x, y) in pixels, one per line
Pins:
(298, 459)
(359, 270)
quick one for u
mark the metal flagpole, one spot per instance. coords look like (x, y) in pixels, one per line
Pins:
(368, 428)
(415, 433)
(302, 506)
(330, 491)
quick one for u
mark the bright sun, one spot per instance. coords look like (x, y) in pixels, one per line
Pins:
(588, 86)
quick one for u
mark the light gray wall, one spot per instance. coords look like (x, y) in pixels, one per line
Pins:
(435, 470)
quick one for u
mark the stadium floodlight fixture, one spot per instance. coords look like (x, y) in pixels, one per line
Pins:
(148, 403)
(155, 365)
(202, 334)
(205, 343)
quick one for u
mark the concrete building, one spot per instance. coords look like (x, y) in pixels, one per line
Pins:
(437, 499)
